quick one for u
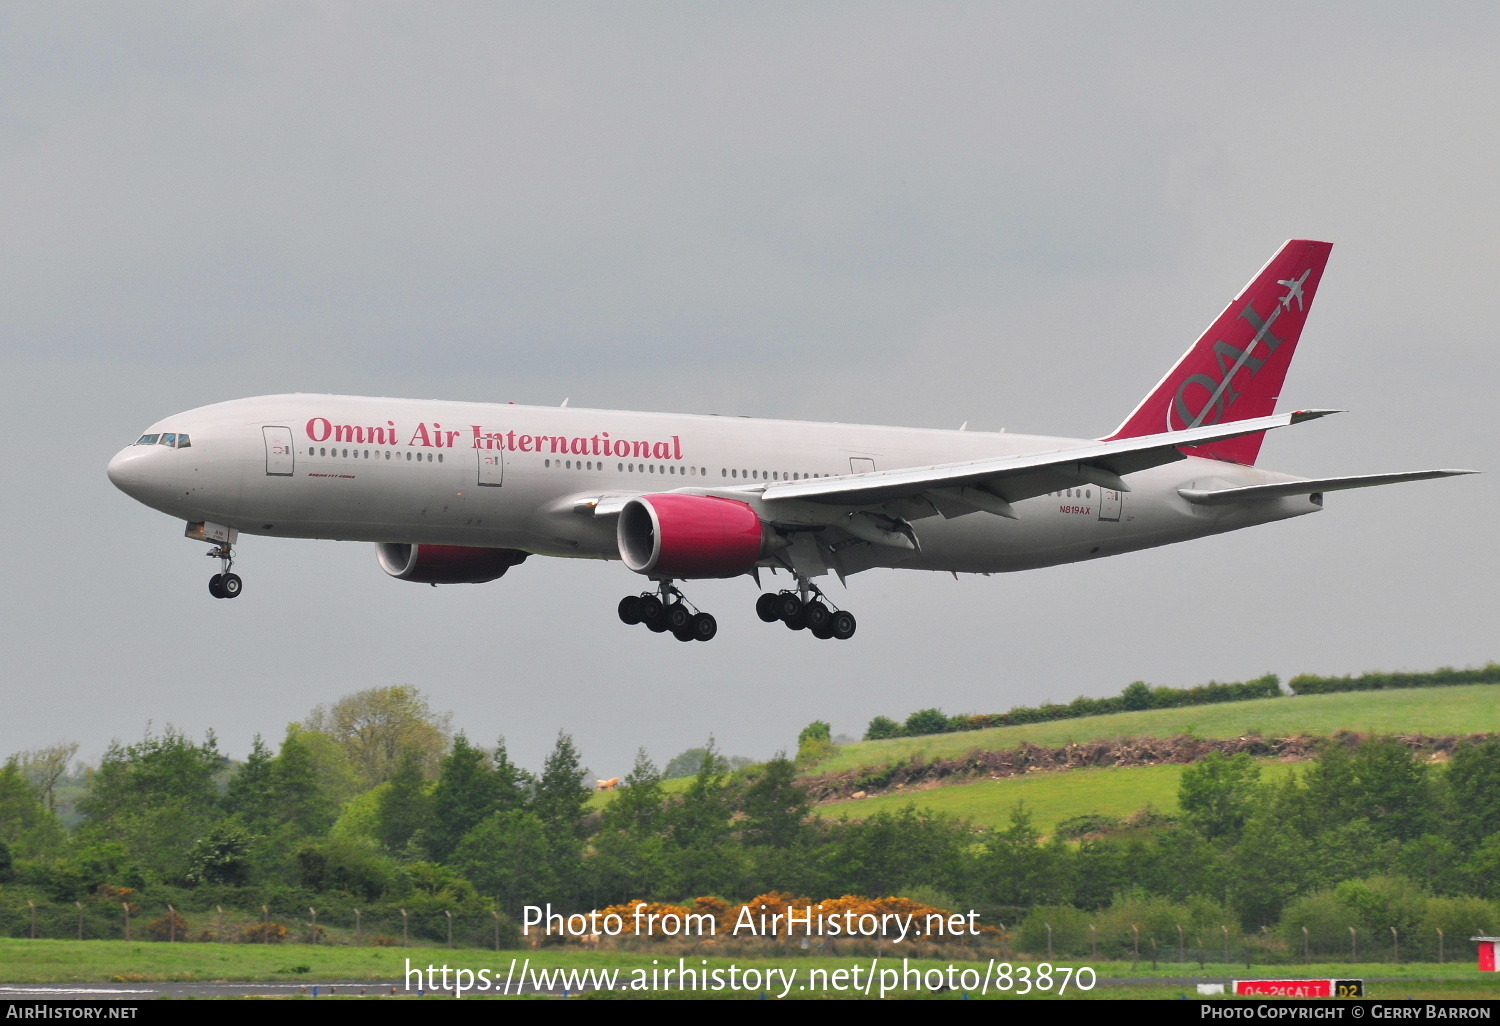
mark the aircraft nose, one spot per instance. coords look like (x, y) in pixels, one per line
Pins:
(131, 472)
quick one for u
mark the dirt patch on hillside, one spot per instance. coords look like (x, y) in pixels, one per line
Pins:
(1134, 751)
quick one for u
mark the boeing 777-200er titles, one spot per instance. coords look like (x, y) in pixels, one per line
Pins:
(456, 493)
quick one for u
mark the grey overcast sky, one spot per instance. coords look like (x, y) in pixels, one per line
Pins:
(1015, 215)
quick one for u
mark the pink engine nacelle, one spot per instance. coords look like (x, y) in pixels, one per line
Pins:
(686, 536)
(445, 564)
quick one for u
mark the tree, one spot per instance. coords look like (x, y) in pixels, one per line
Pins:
(466, 792)
(774, 806)
(222, 856)
(882, 727)
(21, 807)
(628, 851)
(1136, 696)
(926, 721)
(561, 795)
(45, 766)
(375, 726)
(1472, 791)
(815, 743)
(310, 778)
(637, 804)
(1217, 793)
(1019, 869)
(512, 856)
(150, 797)
(513, 785)
(1393, 790)
(252, 793)
(165, 771)
(404, 807)
(699, 831)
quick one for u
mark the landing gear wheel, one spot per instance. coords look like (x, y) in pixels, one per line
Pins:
(678, 617)
(815, 616)
(630, 609)
(686, 634)
(824, 632)
(213, 586)
(841, 625)
(788, 609)
(765, 607)
(649, 606)
(703, 627)
(230, 585)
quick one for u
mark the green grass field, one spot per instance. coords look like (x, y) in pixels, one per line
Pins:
(1049, 797)
(1451, 710)
(59, 961)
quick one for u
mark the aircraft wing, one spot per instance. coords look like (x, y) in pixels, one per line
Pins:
(992, 484)
(1254, 493)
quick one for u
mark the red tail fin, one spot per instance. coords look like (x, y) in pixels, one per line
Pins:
(1235, 371)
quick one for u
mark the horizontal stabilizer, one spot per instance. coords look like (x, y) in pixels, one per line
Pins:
(1258, 493)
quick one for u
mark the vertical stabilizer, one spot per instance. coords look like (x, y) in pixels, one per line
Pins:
(1236, 370)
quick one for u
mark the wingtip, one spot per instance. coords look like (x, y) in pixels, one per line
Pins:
(1304, 415)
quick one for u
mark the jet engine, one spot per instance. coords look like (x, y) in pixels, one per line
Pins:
(445, 564)
(672, 535)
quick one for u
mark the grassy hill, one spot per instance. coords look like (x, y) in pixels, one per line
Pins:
(1055, 796)
(1468, 709)
(1049, 797)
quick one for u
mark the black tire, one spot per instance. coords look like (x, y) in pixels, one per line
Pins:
(765, 607)
(231, 585)
(678, 617)
(788, 607)
(657, 626)
(841, 625)
(630, 609)
(213, 586)
(815, 615)
(650, 609)
(704, 627)
(824, 632)
(686, 634)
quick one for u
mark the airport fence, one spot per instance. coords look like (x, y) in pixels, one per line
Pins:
(1035, 937)
(88, 920)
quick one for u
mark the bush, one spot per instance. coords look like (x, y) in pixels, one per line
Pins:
(1327, 919)
(1070, 931)
(351, 864)
(926, 721)
(1310, 684)
(882, 727)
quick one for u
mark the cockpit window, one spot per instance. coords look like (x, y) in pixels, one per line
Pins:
(147, 440)
(168, 439)
(182, 442)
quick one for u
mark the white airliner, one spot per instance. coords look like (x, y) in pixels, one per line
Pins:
(457, 492)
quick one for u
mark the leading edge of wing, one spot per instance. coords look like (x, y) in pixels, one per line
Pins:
(1115, 459)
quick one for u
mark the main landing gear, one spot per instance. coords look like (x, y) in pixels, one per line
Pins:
(669, 611)
(225, 584)
(807, 609)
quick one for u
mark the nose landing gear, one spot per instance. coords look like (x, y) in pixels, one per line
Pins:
(225, 584)
(669, 611)
(807, 609)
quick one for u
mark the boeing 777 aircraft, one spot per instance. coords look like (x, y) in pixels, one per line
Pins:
(455, 493)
